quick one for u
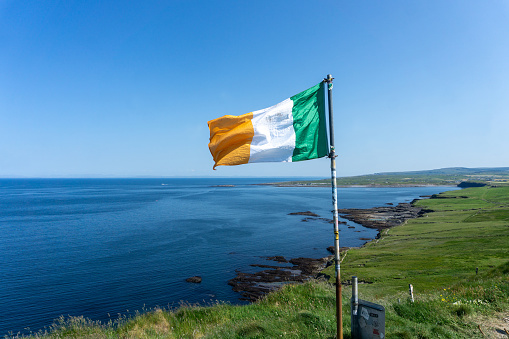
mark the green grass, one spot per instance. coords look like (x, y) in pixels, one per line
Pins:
(440, 247)
(438, 254)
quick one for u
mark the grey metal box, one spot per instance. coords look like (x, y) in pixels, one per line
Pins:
(368, 321)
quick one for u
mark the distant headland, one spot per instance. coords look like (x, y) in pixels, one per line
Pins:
(454, 176)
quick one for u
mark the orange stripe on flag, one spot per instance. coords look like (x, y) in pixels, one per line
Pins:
(230, 139)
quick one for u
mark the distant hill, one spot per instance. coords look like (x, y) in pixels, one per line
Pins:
(453, 176)
(442, 176)
(455, 171)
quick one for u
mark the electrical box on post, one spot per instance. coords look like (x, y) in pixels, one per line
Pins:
(368, 319)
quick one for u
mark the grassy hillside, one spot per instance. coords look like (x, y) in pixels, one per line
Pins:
(468, 229)
(438, 254)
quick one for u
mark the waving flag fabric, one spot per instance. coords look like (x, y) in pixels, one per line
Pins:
(293, 130)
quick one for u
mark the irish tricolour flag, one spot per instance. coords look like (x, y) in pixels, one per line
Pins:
(293, 130)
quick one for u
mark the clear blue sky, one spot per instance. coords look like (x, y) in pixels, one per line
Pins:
(124, 88)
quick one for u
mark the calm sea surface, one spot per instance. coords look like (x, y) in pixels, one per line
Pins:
(100, 247)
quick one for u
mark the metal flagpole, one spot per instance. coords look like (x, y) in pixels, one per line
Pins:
(332, 156)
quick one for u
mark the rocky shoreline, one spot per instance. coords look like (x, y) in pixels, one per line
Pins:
(254, 286)
(382, 217)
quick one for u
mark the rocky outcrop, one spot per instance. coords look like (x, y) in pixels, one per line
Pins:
(313, 216)
(307, 213)
(195, 280)
(382, 217)
(254, 286)
(277, 258)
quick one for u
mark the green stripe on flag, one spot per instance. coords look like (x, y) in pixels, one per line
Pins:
(309, 124)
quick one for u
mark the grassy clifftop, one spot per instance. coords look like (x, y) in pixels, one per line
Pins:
(437, 253)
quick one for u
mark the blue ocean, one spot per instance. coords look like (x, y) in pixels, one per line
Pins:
(102, 247)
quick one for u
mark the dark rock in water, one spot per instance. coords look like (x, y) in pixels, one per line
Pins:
(390, 204)
(254, 286)
(332, 221)
(277, 258)
(268, 266)
(329, 221)
(307, 213)
(313, 216)
(195, 280)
